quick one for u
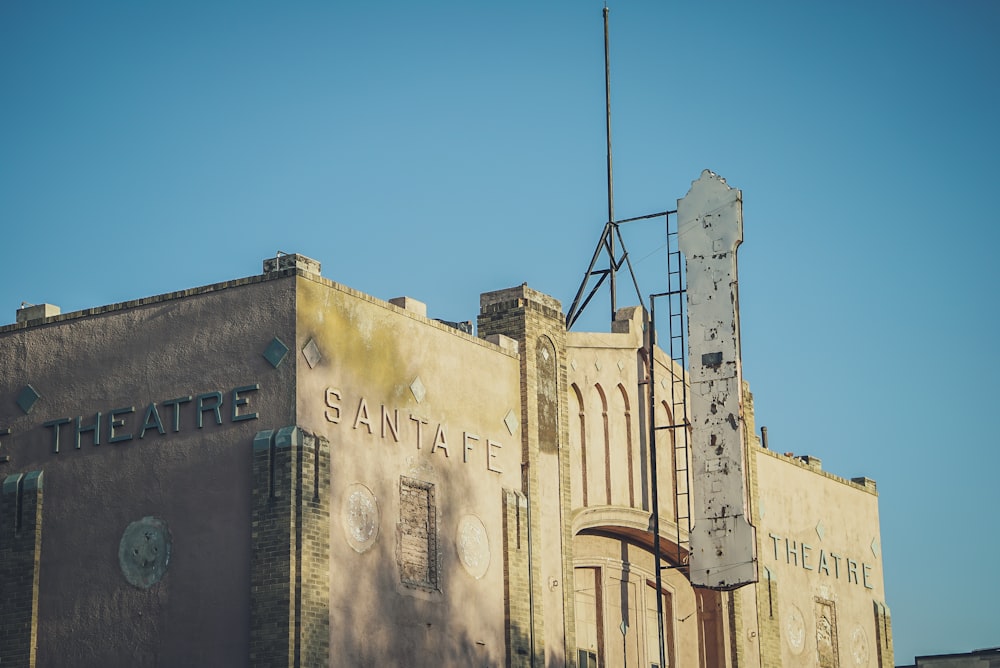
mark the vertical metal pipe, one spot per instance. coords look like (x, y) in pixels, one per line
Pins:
(611, 191)
(654, 478)
(526, 476)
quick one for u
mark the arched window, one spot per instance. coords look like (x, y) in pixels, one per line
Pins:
(578, 452)
(599, 454)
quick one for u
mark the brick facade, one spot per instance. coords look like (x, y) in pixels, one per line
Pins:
(517, 590)
(20, 552)
(883, 632)
(537, 323)
(290, 563)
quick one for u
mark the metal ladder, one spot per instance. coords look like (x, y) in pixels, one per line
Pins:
(677, 349)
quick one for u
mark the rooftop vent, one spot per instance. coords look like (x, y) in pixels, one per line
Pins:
(283, 260)
(29, 312)
(865, 482)
(810, 461)
(465, 326)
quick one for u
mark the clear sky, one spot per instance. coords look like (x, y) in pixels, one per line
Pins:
(442, 149)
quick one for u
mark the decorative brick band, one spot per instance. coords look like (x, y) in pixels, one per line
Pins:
(883, 634)
(517, 594)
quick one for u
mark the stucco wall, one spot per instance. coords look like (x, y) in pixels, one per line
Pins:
(818, 545)
(447, 431)
(628, 596)
(608, 427)
(424, 426)
(197, 480)
(611, 491)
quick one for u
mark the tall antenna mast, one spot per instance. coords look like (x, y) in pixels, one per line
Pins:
(611, 188)
(611, 237)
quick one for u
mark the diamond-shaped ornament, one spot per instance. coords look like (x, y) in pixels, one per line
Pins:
(418, 389)
(312, 354)
(511, 421)
(26, 400)
(275, 352)
(820, 529)
(875, 547)
(621, 365)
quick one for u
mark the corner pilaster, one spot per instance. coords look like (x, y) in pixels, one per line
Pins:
(20, 555)
(290, 572)
(536, 322)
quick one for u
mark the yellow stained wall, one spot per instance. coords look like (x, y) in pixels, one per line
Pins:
(451, 435)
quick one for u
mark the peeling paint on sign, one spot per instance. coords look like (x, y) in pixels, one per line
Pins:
(710, 228)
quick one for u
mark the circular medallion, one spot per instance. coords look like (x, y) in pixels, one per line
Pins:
(795, 630)
(360, 517)
(144, 552)
(859, 646)
(473, 546)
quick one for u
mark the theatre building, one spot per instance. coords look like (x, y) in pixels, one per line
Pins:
(282, 471)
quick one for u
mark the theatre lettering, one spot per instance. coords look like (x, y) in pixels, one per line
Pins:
(830, 564)
(120, 425)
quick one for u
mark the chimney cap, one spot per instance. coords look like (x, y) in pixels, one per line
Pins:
(28, 312)
(410, 304)
(283, 260)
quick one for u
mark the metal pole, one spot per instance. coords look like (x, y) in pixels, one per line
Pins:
(611, 192)
(573, 314)
(657, 556)
(526, 475)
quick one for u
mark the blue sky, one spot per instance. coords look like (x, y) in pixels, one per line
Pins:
(443, 149)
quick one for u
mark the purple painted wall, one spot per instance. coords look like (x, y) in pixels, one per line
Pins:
(196, 479)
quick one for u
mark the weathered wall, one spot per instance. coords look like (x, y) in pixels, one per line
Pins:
(609, 455)
(778, 621)
(612, 491)
(609, 428)
(626, 600)
(448, 502)
(119, 361)
(536, 322)
(414, 412)
(821, 583)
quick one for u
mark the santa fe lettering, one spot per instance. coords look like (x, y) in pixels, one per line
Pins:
(390, 428)
(114, 425)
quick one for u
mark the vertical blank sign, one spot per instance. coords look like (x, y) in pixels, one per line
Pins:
(710, 228)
